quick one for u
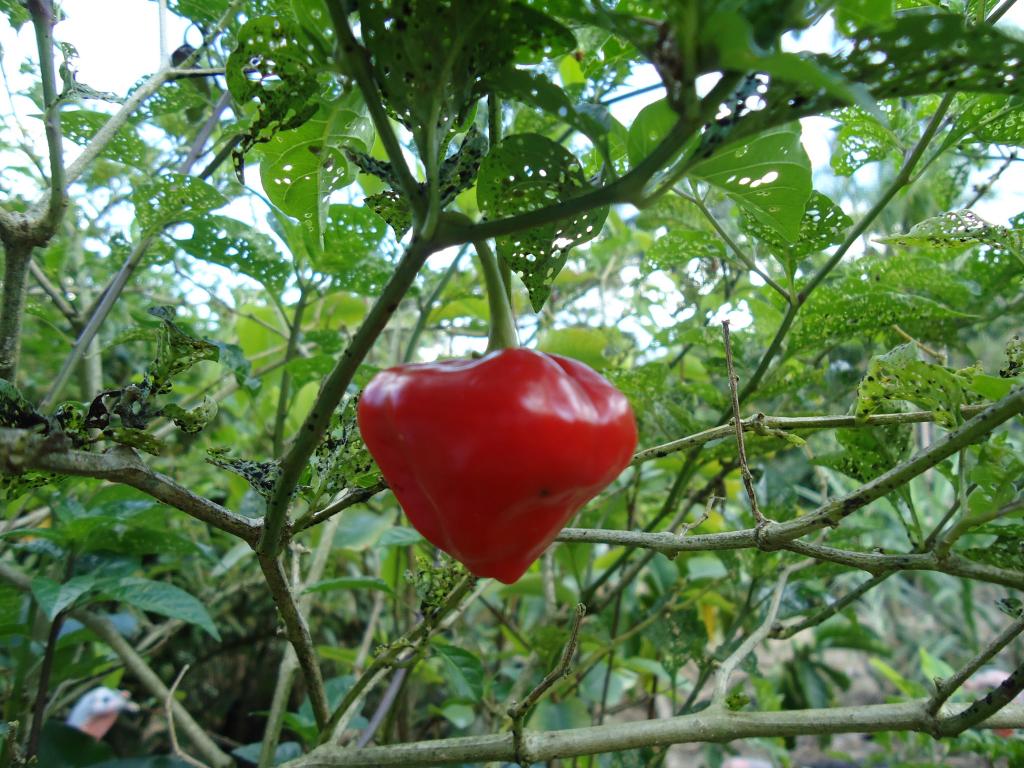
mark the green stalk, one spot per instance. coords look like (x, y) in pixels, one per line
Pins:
(503, 325)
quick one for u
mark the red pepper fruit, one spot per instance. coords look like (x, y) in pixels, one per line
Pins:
(490, 458)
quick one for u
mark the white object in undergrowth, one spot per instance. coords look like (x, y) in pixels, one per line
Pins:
(97, 710)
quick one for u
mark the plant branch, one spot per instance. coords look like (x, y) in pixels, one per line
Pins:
(22, 450)
(334, 387)
(983, 709)
(359, 66)
(348, 498)
(410, 640)
(748, 480)
(706, 726)
(294, 334)
(289, 661)
(169, 714)
(760, 423)
(627, 188)
(833, 511)
(298, 635)
(55, 294)
(946, 688)
(428, 305)
(43, 19)
(740, 254)
(518, 712)
(752, 640)
(781, 633)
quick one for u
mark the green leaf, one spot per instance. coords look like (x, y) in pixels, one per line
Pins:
(53, 597)
(399, 537)
(676, 248)
(135, 438)
(172, 197)
(537, 91)
(16, 13)
(162, 598)
(342, 460)
(193, 419)
(523, 173)
(823, 225)
(261, 475)
(464, 671)
(349, 583)
(270, 63)
(429, 58)
(177, 351)
(557, 716)
(896, 61)
(861, 139)
(900, 375)
(81, 125)
(300, 168)
(391, 207)
(360, 529)
(957, 229)
(596, 347)
(649, 128)
(239, 247)
(769, 177)
(352, 237)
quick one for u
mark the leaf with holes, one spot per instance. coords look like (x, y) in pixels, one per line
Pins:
(81, 125)
(917, 54)
(769, 177)
(429, 58)
(342, 460)
(458, 172)
(261, 475)
(861, 139)
(957, 229)
(300, 168)
(173, 197)
(854, 309)
(239, 247)
(193, 419)
(678, 247)
(993, 120)
(900, 375)
(352, 236)
(823, 225)
(270, 63)
(523, 173)
(391, 207)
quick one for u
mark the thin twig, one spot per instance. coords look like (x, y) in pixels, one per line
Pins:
(946, 688)
(761, 423)
(740, 254)
(748, 480)
(781, 633)
(519, 711)
(22, 450)
(169, 713)
(752, 640)
(397, 649)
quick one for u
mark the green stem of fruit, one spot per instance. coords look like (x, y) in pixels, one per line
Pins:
(503, 324)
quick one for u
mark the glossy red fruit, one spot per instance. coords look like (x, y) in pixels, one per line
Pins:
(490, 458)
